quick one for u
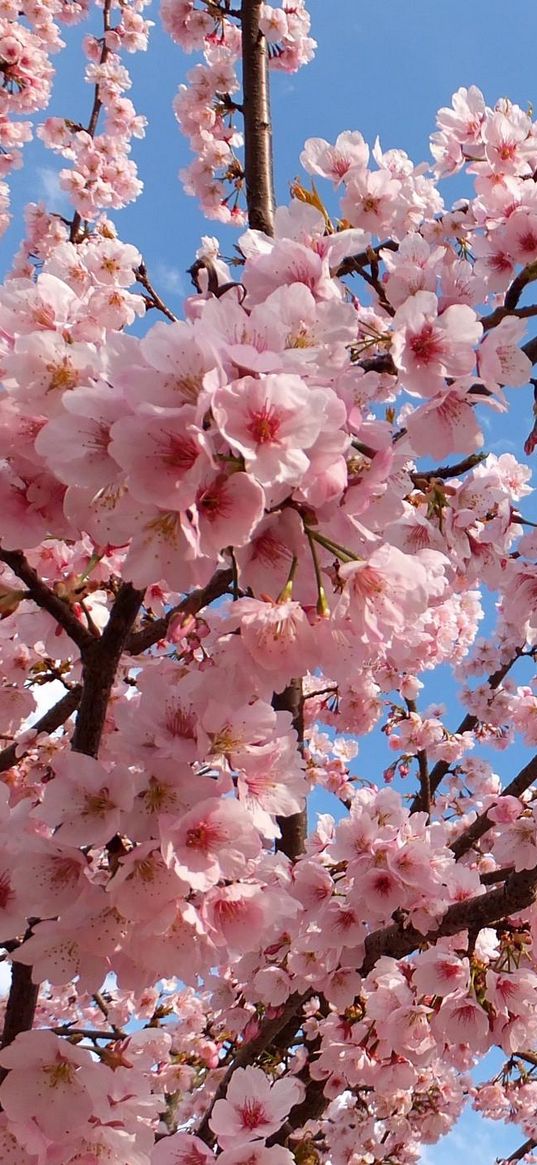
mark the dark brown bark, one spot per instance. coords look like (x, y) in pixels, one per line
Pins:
(46, 599)
(527, 1147)
(518, 785)
(48, 723)
(467, 724)
(139, 641)
(21, 1005)
(258, 169)
(294, 828)
(397, 941)
(100, 666)
(100, 670)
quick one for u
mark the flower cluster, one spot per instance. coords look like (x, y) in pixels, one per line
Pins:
(228, 545)
(206, 106)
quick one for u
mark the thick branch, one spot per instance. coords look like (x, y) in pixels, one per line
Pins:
(21, 1005)
(42, 595)
(518, 785)
(257, 125)
(294, 828)
(521, 1152)
(311, 1108)
(100, 666)
(142, 640)
(48, 723)
(100, 670)
(518, 892)
(249, 1052)
(444, 472)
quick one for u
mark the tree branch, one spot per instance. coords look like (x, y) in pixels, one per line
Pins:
(154, 299)
(139, 641)
(48, 723)
(518, 892)
(444, 472)
(519, 1153)
(101, 660)
(258, 167)
(45, 598)
(100, 668)
(20, 1007)
(248, 1052)
(467, 724)
(295, 827)
(518, 785)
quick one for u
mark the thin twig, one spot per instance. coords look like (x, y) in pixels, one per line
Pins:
(467, 724)
(154, 299)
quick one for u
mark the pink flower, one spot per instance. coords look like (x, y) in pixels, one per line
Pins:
(276, 635)
(384, 594)
(257, 1154)
(335, 162)
(181, 1149)
(214, 839)
(446, 424)
(229, 508)
(84, 801)
(50, 1082)
(271, 421)
(238, 916)
(440, 972)
(461, 1020)
(501, 360)
(427, 347)
(253, 1108)
(164, 453)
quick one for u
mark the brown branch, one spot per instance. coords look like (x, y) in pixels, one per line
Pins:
(492, 877)
(20, 1007)
(48, 723)
(444, 472)
(310, 1109)
(353, 264)
(295, 827)
(139, 641)
(258, 167)
(482, 824)
(512, 296)
(45, 598)
(100, 666)
(519, 1153)
(467, 724)
(397, 941)
(154, 299)
(96, 108)
(520, 313)
(84, 1033)
(530, 349)
(423, 769)
(249, 1051)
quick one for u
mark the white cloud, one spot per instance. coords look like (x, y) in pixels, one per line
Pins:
(51, 191)
(166, 278)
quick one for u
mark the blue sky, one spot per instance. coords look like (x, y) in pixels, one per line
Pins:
(383, 68)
